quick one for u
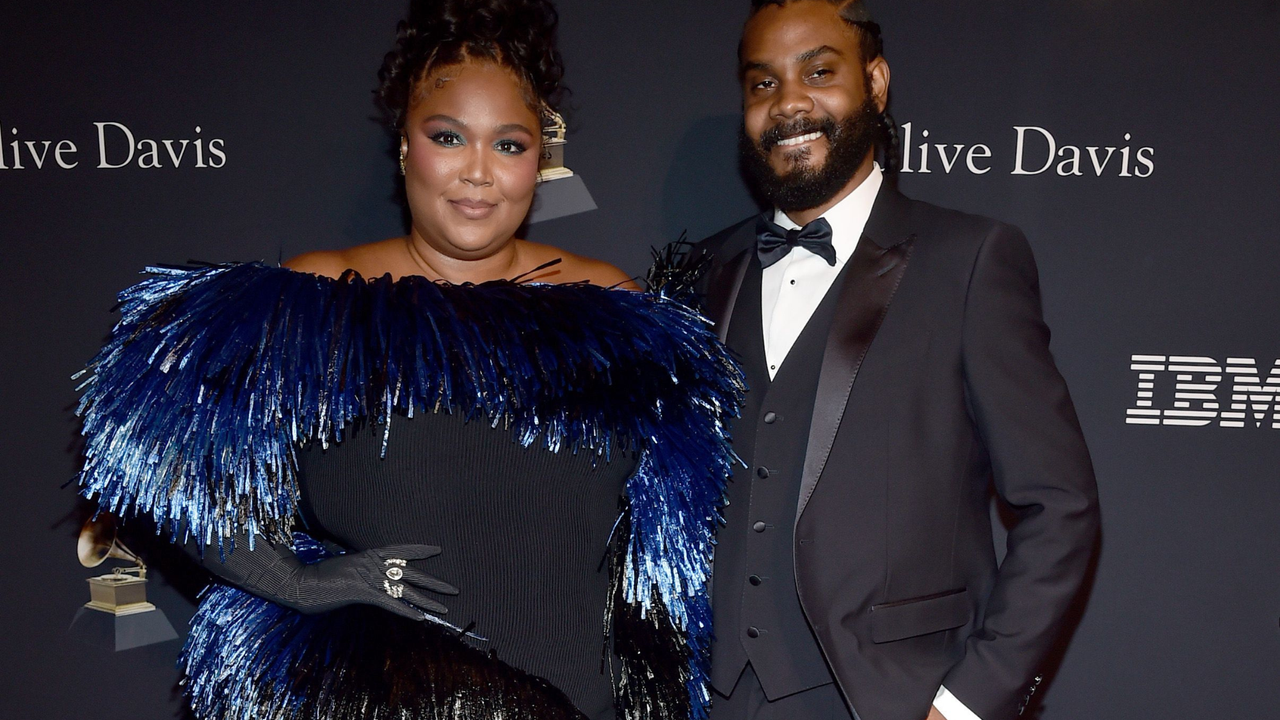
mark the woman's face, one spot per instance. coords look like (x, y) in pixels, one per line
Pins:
(471, 147)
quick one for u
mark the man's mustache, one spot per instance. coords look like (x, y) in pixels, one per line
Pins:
(770, 138)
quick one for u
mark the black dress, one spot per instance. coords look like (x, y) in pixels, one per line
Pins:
(524, 533)
(232, 400)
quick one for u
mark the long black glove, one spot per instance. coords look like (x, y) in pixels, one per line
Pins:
(373, 577)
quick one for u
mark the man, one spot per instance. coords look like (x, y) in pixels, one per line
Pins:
(899, 367)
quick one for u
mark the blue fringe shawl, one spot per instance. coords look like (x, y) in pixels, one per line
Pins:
(214, 376)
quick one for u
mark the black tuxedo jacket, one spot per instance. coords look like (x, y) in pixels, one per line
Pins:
(936, 384)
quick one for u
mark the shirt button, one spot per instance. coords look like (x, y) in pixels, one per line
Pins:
(753, 632)
(793, 282)
(770, 417)
(754, 579)
(762, 472)
(759, 526)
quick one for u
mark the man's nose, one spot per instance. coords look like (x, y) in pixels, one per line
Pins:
(792, 99)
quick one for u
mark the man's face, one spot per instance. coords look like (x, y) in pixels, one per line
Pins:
(809, 116)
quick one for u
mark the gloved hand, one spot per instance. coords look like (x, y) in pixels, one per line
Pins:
(373, 577)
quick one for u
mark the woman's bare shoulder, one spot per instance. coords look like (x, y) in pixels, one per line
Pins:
(370, 260)
(577, 268)
(326, 263)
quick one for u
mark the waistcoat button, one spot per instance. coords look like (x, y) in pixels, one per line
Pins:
(759, 526)
(770, 417)
(753, 632)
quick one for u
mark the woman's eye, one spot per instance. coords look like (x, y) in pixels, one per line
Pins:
(763, 85)
(510, 147)
(447, 138)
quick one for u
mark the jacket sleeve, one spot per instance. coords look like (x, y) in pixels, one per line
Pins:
(1042, 469)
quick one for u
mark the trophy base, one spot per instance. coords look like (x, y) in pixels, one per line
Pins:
(118, 631)
(558, 173)
(130, 609)
(558, 199)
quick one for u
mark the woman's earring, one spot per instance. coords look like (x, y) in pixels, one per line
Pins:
(404, 148)
(402, 161)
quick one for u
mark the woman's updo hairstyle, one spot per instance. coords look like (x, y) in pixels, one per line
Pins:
(519, 35)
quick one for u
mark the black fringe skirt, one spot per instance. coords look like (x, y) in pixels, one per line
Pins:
(249, 659)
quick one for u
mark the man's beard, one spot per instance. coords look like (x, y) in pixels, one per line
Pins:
(806, 187)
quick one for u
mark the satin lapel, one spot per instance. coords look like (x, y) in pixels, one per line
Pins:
(875, 271)
(723, 289)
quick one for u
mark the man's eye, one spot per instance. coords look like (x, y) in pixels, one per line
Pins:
(447, 138)
(820, 72)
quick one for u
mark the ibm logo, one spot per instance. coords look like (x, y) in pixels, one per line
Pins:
(1197, 391)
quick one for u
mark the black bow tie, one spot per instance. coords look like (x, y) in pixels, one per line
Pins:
(773, 243)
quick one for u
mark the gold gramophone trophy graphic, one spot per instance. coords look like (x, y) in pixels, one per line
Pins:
(554, 131)
(560, 192)
(117, 615)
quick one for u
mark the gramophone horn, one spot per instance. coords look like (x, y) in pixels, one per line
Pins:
(98, 542)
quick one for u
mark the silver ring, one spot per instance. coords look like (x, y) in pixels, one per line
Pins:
(395, 591)
(395, 561)
(395, 573)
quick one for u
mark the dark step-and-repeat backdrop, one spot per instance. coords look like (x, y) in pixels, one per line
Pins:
(1133, 140)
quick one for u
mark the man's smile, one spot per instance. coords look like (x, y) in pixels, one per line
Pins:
(800, 139)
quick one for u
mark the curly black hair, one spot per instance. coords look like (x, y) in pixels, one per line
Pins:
(519, 35)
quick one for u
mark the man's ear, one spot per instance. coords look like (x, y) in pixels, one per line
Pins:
(878, 72)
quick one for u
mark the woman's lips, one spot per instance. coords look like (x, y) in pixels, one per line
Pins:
(473, 209)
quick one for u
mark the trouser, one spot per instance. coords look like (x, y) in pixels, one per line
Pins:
(748, 702)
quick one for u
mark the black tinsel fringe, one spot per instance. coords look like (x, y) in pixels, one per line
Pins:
(653, 680)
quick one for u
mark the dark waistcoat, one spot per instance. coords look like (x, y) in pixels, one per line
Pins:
(758, 618)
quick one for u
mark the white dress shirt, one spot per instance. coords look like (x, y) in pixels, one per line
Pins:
(791, 290)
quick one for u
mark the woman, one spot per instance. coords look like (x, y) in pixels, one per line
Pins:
(471, 416)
